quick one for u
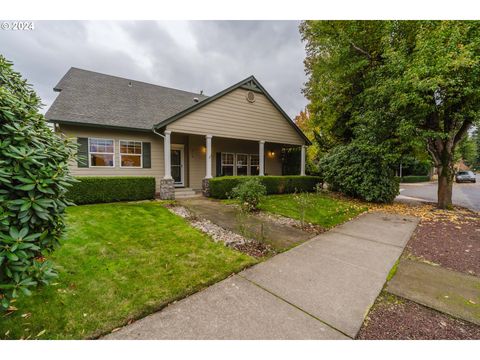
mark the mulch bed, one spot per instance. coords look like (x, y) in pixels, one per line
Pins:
(392, 318)
(452, 241)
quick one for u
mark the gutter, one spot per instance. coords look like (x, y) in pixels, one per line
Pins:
(155, 132)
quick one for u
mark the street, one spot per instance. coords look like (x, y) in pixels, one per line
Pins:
(464, 194)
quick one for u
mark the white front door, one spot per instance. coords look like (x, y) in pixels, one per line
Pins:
(177, 164)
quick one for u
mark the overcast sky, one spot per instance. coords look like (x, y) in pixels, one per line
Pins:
(192, 56)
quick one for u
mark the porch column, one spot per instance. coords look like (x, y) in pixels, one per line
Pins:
(208, 173)
(167, 155)
(302, 161)
(261, 157)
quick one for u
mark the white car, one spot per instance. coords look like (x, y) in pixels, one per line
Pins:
(465, 176)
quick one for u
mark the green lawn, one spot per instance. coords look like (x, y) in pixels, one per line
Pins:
(321, 209)
(119, 262)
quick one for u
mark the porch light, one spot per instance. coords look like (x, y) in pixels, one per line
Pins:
(271, 154)
(203, 149)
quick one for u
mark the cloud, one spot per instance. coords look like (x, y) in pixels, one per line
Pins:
(189, 55)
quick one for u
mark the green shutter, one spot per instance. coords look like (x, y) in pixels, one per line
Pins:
(146, 155)
(82, 154)
(219, 164)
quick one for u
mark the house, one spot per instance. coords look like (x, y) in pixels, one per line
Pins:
(131, 128)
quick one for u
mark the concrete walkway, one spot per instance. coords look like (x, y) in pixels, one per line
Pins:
(322, 289)
(229, 217)
(442, 289)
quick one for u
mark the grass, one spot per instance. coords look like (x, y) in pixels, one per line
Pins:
(119, 262)
(393, 271)
(320, 209)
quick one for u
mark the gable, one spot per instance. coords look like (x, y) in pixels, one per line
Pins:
(233, 116)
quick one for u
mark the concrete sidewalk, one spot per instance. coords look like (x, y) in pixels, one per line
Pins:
(321, 289)
(442, 289)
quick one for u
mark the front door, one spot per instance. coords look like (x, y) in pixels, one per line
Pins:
(177, 165)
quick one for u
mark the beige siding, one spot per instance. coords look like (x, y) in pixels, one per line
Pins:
(197, 160)
(157, 169)
(232, 116)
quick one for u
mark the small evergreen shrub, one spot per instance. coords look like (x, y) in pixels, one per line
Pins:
(249, 193)
(414, 179)
(360, 171)
(221, 187)
(103, 189)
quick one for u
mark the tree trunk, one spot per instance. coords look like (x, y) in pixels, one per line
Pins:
(445, 185)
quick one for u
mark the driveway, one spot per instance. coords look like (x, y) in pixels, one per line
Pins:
(321, 289)
(464, 194)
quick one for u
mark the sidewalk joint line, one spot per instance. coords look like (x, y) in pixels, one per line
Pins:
(295, 306)
(367, 239)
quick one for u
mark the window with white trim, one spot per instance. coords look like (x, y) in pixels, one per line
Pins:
(101, 152)
(130, 153)
(242, 164)
(254, 164)
(227, 164)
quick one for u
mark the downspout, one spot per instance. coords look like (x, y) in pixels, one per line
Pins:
(155, 131)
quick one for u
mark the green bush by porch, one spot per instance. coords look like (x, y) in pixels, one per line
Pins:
(104, 189)
(119, 262)
(221, 187)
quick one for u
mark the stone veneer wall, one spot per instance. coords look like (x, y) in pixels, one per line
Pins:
(167, 189)
(206, 187)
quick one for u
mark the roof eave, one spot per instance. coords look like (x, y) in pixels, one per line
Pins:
(113, 127)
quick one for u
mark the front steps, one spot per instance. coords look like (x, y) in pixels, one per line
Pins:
(183, 193)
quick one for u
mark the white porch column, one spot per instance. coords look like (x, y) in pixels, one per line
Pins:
(261, 157)
(208, 170)
(167, 155)
(302, 161)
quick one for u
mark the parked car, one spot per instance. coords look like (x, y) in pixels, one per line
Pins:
(465, 176)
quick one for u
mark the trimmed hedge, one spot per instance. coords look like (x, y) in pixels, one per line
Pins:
(103, 189)
(221, 187)
(414, 179)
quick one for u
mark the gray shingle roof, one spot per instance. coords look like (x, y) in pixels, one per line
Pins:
(91, 98)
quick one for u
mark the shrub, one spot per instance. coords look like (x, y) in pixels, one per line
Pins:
(414, 179)
(249, 193)
(360, 171)
(221, 187)
(102, 189)
(34, 177)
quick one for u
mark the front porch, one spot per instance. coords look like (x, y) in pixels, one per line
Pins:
(190, 160)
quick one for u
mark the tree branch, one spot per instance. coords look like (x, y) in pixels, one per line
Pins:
(360, 50)
(433, 152)
(462, 131)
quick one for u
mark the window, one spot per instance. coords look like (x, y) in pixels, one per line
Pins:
(254, 164)
(242, 164)
(101, 152)
(130, 154)
(227, 164)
